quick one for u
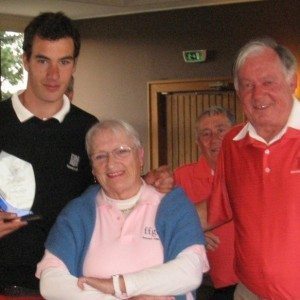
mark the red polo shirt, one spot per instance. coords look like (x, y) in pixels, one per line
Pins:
(259, 185)
(196, 179)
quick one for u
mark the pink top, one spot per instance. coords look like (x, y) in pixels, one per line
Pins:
(118, 241)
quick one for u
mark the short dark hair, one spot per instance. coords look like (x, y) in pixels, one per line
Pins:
(217, 110)
(50, 26)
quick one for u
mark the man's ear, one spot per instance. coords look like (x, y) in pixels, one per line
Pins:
(198, 144)
(25, 61)
(293, 82)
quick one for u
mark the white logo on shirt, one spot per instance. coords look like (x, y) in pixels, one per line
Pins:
(74, 162)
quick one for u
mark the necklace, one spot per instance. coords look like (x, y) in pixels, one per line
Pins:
(124, 206)
(127, 211)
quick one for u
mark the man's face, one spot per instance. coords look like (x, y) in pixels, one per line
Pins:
(49, 68)
(265, 92)
(210, 131)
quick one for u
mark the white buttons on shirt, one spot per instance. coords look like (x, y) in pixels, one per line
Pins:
(267, 169)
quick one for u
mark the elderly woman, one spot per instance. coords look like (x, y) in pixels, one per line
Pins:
(125, 238)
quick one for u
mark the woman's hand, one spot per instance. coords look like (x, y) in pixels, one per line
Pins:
(103, 285)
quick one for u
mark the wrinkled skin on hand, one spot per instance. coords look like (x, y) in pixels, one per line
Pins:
(212, 241)
(103, 285)
(106, 286)
(161, 178)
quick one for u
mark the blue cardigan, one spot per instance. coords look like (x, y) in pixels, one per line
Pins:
(177, 224)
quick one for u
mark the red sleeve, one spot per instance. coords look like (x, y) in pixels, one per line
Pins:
(219, 209)
(176, 177)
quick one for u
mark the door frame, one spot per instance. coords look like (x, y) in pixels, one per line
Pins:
(155, 88)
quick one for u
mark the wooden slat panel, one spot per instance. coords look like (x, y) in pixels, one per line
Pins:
(219, 99)
(181, 139)
(193, 106)
(184, 103)
(169, 136)
(187, 127)
(206, 103)
(212, 99)
(174, 132)
(226, 103)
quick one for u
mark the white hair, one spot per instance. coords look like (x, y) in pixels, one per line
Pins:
(115, 126)
(288, 60)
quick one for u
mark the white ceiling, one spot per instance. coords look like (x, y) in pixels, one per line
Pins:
(84, 9)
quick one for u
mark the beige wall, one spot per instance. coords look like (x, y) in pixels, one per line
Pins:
(121, 54)
(13, 23)
(112, 84)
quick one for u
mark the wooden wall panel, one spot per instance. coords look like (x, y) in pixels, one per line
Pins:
(184, 101)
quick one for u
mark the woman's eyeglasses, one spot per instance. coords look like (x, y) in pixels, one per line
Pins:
(119, 153)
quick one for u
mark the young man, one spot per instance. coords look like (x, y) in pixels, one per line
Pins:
(39, 126)
(257, 179)
(197, 180)
(42, 147)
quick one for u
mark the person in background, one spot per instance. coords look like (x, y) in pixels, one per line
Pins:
(70, 89)
(125, 238)
(197, 180)
(42, 142)
(257, 176)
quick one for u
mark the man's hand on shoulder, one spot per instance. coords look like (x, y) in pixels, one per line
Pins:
(161, 178)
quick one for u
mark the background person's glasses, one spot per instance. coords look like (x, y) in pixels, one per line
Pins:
(118, 153)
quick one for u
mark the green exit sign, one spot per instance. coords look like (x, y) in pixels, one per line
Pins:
(192, 56)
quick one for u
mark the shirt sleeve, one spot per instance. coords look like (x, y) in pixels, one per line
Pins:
(178, 276)
(49, 260)
(66, 287)
(219, 209)
(53, 272)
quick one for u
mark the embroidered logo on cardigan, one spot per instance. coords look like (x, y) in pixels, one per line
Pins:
(150, 233)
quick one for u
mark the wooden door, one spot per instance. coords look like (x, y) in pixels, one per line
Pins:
(174, 107)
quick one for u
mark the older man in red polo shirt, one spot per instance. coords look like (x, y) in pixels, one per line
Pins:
(197, 179)
(257, 181)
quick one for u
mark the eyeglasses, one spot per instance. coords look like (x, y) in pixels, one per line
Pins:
(119, 153)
